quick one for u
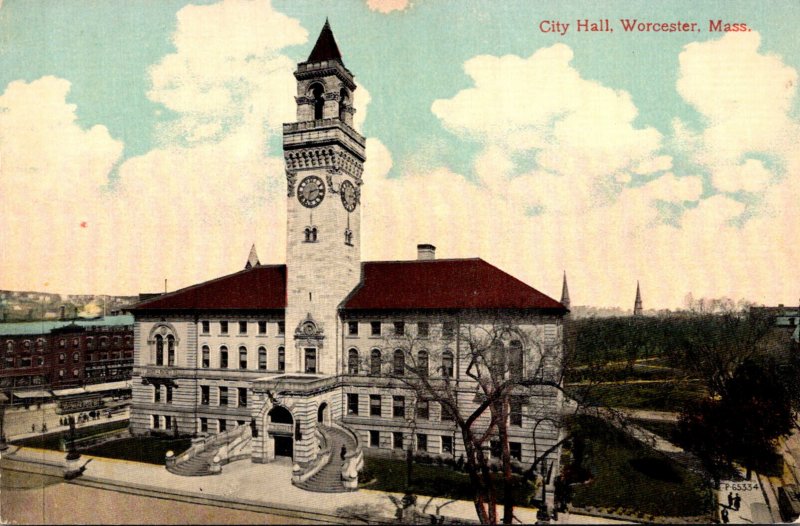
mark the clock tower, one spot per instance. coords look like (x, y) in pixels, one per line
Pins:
(324, 158)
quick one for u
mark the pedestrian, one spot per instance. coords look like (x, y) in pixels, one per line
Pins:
(737, 502)
(44, 427)
(730, 499)
(33, 428)
(724, 515)
(344, 452)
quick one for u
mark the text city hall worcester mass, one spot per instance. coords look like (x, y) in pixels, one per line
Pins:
(633, 25)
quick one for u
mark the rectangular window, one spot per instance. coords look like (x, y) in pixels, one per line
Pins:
(515, 412)
(399, 406)
(423, 329)
(352, 403)
(281, 359)
(447, 414)
(205, 326)
(311, 361)
(223, 327)
(262, 327)
(242, 397)
(156, 393)
(397, 440)
(242, 327)
(262, 359)
(422, 442)
(223, 425)
(399, 328)
(374, 405)
(423, 409)
(494, 449)
(167, 422)
(204, 395)
(281, 327)
(447, 444)
(516, 450)
(375, 327)
(374, 439)
(203, 424)
(242, 357)
(169, 394)
(448, 329)
(352, 328)
(156, 421)
(223, 396)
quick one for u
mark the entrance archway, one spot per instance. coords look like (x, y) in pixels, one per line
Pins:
(281, 425)
(323, 414)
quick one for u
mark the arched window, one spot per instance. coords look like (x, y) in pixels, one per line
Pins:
(76, 357)
(319, 100)
(314, 234)
(399, 363)
(170, 350)
(348, 237)
(307, 233)
(342, 103)
(515, 360)
(40, 344)
(206, 357)
(262, 358)
(9, 346)
(447, 364)
(104, 342)
(159, 349)
(352, 361)
(242, 357)
(281, 359)
(422, 364)
(90, 343)
(26, 344)
(62, 343)
(498, 357)
(375, 362)
(223, 357)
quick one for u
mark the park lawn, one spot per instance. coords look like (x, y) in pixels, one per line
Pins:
(664, 429)
(659, 396)
(53, 440)
(389, 474)
(151, 450)
(630, 477)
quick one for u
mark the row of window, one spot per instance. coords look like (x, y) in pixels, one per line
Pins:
(41, 343)
(205, 327)
(422, 444)
(224, 362)
(422, 409)
(223, 395)
(399, 329)
(399, 366)
(39, 361)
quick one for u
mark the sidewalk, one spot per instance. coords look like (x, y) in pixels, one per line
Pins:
(753, 508)
(245, 485)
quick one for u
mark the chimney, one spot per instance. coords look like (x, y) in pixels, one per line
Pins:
(426, 252)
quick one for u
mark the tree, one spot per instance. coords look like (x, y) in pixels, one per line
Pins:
(743, 424)
(475, 373)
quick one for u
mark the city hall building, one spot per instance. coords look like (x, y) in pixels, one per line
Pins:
(299, 358)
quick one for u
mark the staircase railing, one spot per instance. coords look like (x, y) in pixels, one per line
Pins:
(318, 463)
(208, 443)
(353, 461)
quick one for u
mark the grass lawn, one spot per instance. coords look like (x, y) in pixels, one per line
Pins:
(660, 428)
(53, 440)
(656, 396)
(151, 450)
(633, 478)
(431, 480)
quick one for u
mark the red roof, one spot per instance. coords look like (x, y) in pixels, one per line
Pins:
(260, 287)
(443, 284)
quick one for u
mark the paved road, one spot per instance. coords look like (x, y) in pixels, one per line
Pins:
(18, 421)
(28, 498)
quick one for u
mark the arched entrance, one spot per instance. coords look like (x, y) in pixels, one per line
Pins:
(280, 428)
(323, 414)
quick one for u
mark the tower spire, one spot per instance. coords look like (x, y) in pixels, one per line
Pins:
(252, 259)
(565, 292)
(637, 305)
(325, 48)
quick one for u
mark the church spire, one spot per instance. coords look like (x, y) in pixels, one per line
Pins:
(252, 259)
(325, 48)
(565, 292)
(637, 305)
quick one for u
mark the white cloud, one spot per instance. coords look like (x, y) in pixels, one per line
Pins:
(750, 176)
(387, 6)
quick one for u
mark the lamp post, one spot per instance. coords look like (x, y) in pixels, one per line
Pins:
(3, 443)
(72, 452)
(542, 515)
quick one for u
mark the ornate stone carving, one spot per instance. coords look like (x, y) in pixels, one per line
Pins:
(291, 178)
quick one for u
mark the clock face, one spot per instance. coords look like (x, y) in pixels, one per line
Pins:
(348, 192)
(311, 191)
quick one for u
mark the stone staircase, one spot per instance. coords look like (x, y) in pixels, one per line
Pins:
(329, 478)
(197, 466)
